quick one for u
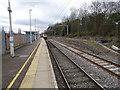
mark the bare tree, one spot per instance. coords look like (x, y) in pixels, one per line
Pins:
(110, 7)
(96, 7)
(73, 14)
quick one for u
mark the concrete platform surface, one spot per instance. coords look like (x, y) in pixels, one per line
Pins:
(40, 73)
(12, 65)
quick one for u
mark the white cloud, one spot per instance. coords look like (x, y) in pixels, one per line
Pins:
(45, 11)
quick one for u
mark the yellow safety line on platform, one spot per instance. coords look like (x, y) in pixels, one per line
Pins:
(14, 79)
(30, 74)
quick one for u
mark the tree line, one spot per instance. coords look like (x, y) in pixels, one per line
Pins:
(96, 19)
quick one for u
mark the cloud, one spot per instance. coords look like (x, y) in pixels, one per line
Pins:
(46, 12)
(4, 17)
(21, 22)
(3, 21)
(27, 22)
(33, 4)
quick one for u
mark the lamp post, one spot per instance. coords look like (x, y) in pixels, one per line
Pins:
(35, 30)
(30, 26)
(39, 31)
(11, 32)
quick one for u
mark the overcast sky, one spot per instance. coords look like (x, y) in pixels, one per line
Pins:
(46, 12)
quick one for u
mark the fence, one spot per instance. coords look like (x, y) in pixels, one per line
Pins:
(19, 39)
(3, 40)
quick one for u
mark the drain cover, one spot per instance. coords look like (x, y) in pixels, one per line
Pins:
(23, 56)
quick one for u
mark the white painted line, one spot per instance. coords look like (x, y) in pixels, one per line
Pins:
(90, 57)
(97, 79)
(95, 60)
(108, 66)
(91, 74)
(117, 72)
(85, 55)
(112, 69)
(105, 86)
(104, 63)
(98, 61)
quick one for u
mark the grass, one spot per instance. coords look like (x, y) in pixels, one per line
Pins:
(90, 40)
(91, 43)
(96, 45)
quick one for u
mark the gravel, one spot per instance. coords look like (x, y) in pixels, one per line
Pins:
(76, 78)
(103, 77)
(103, 53)
(59, 78)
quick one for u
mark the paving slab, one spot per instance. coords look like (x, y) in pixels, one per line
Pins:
(40, 71)
(11, 65)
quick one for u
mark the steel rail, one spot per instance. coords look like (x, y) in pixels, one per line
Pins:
(101, 87)
(96, 56)
(113, 73)
(67, 84)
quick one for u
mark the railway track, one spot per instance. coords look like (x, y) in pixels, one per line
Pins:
(109, 66)
(74, 76)
(61, 81)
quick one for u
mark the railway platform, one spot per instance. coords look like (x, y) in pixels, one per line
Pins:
(40, 73)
